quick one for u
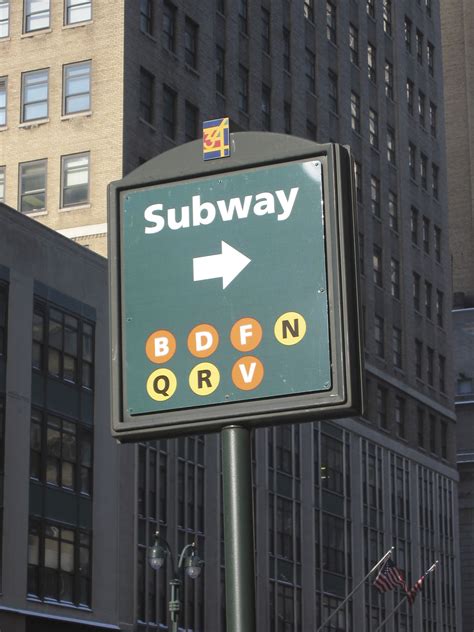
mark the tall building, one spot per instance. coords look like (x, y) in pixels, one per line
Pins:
(90, 94)
(457, 32)
(60, 470)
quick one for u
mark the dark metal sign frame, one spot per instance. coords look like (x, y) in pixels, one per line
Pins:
(251, 150)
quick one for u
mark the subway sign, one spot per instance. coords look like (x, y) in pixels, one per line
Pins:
(233, 289)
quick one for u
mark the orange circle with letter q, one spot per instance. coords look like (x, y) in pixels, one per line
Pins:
(247, 373)
(246, 334)
(203, 340)
(160, 346)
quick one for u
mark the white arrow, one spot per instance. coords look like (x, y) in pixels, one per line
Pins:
(227, 265)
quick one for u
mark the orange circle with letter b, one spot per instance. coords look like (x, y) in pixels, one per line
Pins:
(160, 346)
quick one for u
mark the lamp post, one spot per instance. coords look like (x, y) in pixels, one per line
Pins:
(188, 562)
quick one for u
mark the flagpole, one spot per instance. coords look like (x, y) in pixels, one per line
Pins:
(381, 561)
(431, 568)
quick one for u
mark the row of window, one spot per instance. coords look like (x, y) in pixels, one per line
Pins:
(418, 46)
(424, 119)
(430, 238)
(425, 365)
(37, 14)
(35, 93)
(32, 183)
(422, 170)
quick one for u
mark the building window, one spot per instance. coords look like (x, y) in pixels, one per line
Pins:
(395, 278)
(387, 17)
(377, 266)
(3, 101)
(63, 346)
(408, 33)
(332, 92)
(309, 10)
(412, 160)
(424, 171)
(220, 6)
(243, 16)
(4, 18)
(310, 70)
(331, 22)
(435, 180)
(379, 336)
(433, 119)
(77, 88)
(433, 434)
(416, 291)
(354, 44)
(381, 407)
(373, 128)
(419, 359)
(425, 233)
(355, 112)
(437, 243)
(169, 26)
(146, 16)
(37, 15)
(422, 108)
(78, 11)
(419, 46)
(444, 440)
(375, 196)
(420, 426)
(75, 180)
(191, 31)
(428, 300)
(59, 563)
(2, 186)
(34, 95)
(371, 9)
(220, 70)
(430, 366)
(391, 150)
(414, 226)
(397, 347)
(286, 50)
(372, 62)
(266, 108)
(147, 96)
(388, 80)
(311, 130)
(393, 210)
(169, 112)
(358, 181)
(61, 452)
(287, 117)
(265, 30)
(439, 308)
(33, 186)
(442, 373)
(430, 58)
(399, 415)
(243, 89)
(410, 96)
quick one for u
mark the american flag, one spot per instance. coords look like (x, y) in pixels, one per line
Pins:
(412, 592)
(389, 577)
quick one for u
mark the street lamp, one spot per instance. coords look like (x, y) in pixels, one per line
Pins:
(188, 561)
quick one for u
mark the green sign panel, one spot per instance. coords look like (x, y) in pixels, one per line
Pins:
(233, 288)
(225, 288)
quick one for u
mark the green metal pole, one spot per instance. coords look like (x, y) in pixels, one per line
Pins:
(238, 530)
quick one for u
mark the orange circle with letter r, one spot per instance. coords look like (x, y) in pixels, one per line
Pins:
(160, 346)
(246, 334)
(247, 373)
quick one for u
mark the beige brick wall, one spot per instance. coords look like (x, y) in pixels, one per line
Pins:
(98, 132)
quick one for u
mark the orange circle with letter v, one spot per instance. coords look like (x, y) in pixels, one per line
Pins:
(160, 346)
(247, 373)
(246, 334)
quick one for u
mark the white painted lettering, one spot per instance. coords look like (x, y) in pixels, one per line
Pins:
(265, 204)
(183, 222)
(234, 206)
(161, 346)
(246, 331)
(247, 376)
(203, 340)
(287, 203)
(198, 208)
(157, 220)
